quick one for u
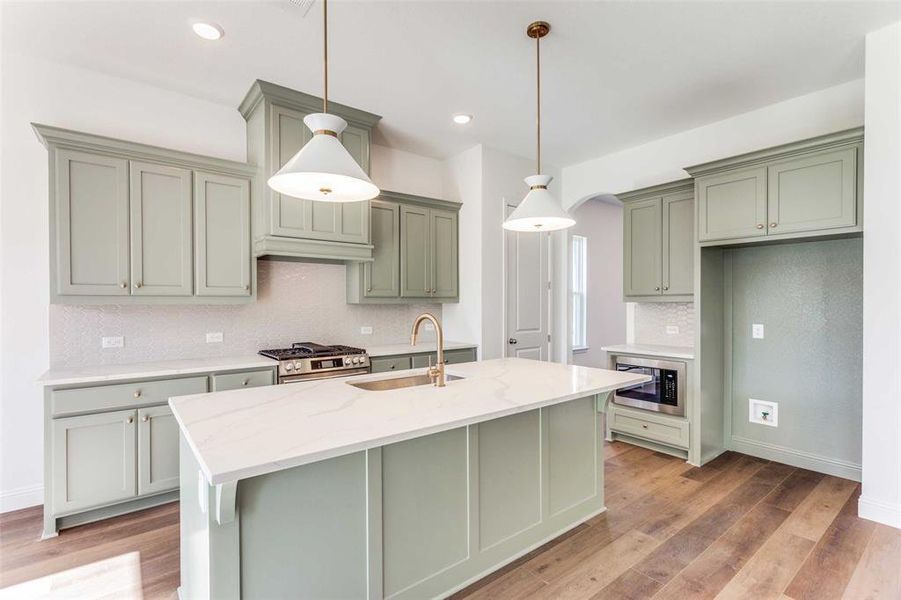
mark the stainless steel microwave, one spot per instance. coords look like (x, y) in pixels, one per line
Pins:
(665, 392)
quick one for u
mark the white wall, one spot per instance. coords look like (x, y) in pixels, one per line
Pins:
(41, 91)
(660, 161)
(881, 497)
(601, 221)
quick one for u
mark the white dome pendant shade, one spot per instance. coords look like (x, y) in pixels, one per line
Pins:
(323, 169)
(539, 210)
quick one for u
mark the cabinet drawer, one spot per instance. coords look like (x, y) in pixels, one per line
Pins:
(391, 363)
(464, 355)
(652, 427)
(243, 379)
(125, 395)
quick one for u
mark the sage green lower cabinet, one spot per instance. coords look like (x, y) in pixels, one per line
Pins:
(420, 518)
(222, 231)
(665, 429)
(157, 450)
(389, 363)
(93, 460)
(161, 237)
(242, 379)
(451, 357)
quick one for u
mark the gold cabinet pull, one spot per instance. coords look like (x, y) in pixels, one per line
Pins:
(145, 418)
(123, 285)
(138, 284)
(760, 226)
(138, 394)
(130, 420)
(773, 224)
(245, 382)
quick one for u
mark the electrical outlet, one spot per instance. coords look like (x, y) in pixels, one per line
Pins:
(757, 331)
(672, 330)
(112, 342)
(366, 330)
(763, 412)
(214, 337)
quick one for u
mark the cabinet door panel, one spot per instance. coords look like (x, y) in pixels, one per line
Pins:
(415, 276)
(813, 192)
(572, 467)
(291, 217)
(391, 363)
(642, 252)
(161, 258)
(354, 222)
(443, 235)
(732, 205)
(222, 229)
(93, 460)
(91, 226)
(678, 244)
(157, 450)
(356, 140)
(381, 277)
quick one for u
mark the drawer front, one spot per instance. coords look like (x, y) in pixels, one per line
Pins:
(672, 432)
(244, 379)
(123, 395)
(392, 363)
(465, 355)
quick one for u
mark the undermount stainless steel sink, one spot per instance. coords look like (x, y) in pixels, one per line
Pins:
(396, 383)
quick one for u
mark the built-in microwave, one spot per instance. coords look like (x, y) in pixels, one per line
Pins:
(663, 393)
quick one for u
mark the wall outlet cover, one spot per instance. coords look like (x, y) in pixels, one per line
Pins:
(366, 330)
(757, 331)
(763, 412)
(672, 330)
(214, 337)
(116, 341)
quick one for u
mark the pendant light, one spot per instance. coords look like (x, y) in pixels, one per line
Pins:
(323, 169)
(539, 210)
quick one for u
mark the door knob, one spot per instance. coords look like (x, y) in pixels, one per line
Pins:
(512, 341)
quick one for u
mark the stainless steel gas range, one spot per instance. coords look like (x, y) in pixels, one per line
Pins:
(305, 361)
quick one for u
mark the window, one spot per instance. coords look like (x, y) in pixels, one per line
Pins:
(580, 292)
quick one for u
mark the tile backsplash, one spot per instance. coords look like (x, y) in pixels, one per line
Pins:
(296, 302)
(652, 318)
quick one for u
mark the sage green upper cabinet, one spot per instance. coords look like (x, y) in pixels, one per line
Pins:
(732, 205)
(381, 277)
(138, 224)
(93, 460)
(293, 227)
(678, 243)
(414, 249)
(222, 231)
(813, 192)
(89, 198)
(443, 253)
(415, 265)
(160, 230)
(642, 254)
(804, 189)
(658, 242)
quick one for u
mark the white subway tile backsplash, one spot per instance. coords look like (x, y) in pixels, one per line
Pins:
(295, 302)
(651, 320)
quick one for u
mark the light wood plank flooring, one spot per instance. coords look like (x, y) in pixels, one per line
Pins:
(738, 528)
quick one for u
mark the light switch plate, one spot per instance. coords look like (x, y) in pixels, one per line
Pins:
(214, 337)
(366, 330)
(116, 341)
(763, 412)
(757, 331)
(672, 330)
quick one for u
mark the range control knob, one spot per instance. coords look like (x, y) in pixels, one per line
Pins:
(347, 360)
(298, 365)
(357, 360)
(289, 367)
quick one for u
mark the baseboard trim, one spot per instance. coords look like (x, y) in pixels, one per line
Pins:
(879, 511)
(797, 458)
(23, 497)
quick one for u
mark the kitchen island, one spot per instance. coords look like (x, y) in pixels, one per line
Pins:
(325, 490)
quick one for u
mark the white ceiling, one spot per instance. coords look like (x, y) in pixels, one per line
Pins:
(615, 74)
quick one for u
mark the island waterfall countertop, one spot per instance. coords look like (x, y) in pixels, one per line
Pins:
(243, 433)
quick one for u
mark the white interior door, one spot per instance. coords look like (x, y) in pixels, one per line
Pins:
(527, 292)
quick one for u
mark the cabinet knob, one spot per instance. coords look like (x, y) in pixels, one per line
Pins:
(138, 394)
(138, 284)
(760, 226)
(392, 367)
(643, 426)
(773, 224)
(369, 289)
(130, 420)
(657, 289)
(246, 288)
(145, 418)
(123, 285)
(666, 287)
(245, 382)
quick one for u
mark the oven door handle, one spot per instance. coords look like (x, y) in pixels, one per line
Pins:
(323, 375)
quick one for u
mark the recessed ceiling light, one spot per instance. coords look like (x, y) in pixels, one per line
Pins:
(462, 119)
(208, 31)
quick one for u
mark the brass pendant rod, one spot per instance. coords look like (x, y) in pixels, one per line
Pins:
(325, 56)
(538, 103)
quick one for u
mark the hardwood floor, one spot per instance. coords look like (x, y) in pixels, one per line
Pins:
(738, 528)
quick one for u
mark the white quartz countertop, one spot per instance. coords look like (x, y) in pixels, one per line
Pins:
(243, 433)
(683, 352)
(164, 368)
(424, 346)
